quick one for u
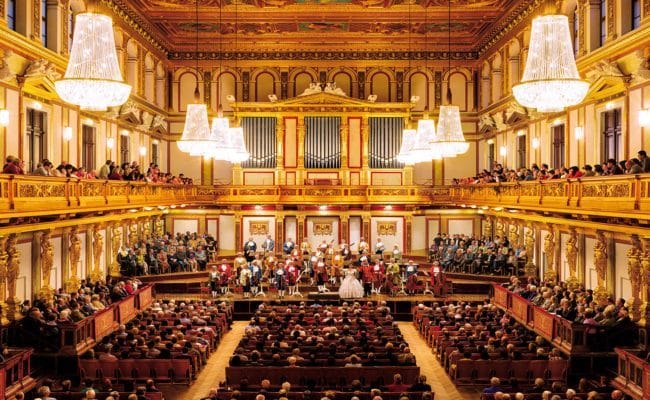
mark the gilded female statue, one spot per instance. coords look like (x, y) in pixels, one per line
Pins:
(529, 243)
(572, 254)
(500, 232)
(487, 228)
(600, 258)
(514, 235)
(549, 250)
(98, 249)
(47, 258)
(74, 251)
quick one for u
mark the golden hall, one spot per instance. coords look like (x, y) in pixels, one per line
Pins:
(325, 199)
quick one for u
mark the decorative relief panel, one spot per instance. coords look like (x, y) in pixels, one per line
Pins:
(386, 228)
(322, 228)
(258, 227)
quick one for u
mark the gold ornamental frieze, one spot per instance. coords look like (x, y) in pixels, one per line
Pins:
(606, 190)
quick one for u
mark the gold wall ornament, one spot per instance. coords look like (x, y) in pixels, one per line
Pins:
(47, 263)
(159, 227)
(600, 262)
(322, 228)
(500, 229)
(4, 260)
(645, 283)
(98, 250)
(386, 228)
(12, 273)
(571, 250)
(116, 243)
(513, 236)
(258, 227)
(549, 251)
(487, 227)
(74, 255)
(133, 234)
(634, 272)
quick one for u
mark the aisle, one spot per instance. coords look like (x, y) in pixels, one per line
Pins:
(214, 371)
(440, 382)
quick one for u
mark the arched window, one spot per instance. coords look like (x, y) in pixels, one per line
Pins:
(636, 13)
(603, 21)
(44, 22)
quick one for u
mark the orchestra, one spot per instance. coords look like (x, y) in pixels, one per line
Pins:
(328, 265)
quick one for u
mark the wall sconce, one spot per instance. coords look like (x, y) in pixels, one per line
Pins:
(644, 117)
(124, 132)
(67, 133)
(89, 122)
(155, 141)
(503, 151)
(579, 132)
(143, 151)
(490, 141)
(37, 105)
(4, 117)
(521, 132)
(610, 105)
(535, 143)
(110, 143)
(557, 122)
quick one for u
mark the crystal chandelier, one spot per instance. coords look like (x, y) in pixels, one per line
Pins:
(408, 140)
(422, 150)
(92, 79)
(196, 133)
(551, 81)
(239, 154)
(449, 140)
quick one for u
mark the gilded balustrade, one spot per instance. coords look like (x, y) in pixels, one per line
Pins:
(627, 195)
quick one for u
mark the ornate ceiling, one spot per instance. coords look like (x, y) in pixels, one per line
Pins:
(293, 26)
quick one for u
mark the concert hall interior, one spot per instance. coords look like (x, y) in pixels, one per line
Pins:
(324, 200)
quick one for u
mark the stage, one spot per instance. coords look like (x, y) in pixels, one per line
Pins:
(192, 285)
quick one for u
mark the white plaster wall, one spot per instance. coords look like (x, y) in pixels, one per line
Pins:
(419, 233)
(185, 225)
(389, 240)
(56, 277)
(291, 228)
(83, 261)
(564, 268)
(316, 240)
(622, 278)
(227, 232)
(459, 226)
(354, 225)
(213, 227)
(434, 228)
(542, 259)
(24, 283)
(102, 259)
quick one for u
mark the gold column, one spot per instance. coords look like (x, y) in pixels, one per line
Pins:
(238, 238)
(634, 255)
(4, 258)
(36, 22)
(365, 228)
(13, 271)
(409, 234)
(582, 43)
(646, 11)
(115, 238)
(645, 279)
(300, 220)
(611, 21)
(345, 132)
(487, 227)
(300, 171)
(345, 221)
(582, 260)
(280, 177)
(529, 244)
(207, 174)
(365, 135)
(279, 233)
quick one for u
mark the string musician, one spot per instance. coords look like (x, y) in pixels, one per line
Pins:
(363, 247)
(321, 275)
(293, 277)
(378, 276)
(280, 280)
(225, 273)
(213, 281)
(245, 281)
(288, 246)
(411, 277)
(335, 269)
(393, 277)
(250, 247)
(256, 276)
(305, 250)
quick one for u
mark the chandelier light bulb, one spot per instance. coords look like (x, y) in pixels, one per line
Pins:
(93, 80)
(422, 151)
(535, 143)
(644, 118)
(110, 143)
(143, 151)
(67, 133)
(449, 137)
(196, 133)
(579, 132)
(551, 80)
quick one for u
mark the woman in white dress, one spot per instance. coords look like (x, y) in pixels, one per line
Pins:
(351, 288)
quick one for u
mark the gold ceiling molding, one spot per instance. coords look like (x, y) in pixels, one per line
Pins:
(139, 24)
(325, 55)
(509, 22)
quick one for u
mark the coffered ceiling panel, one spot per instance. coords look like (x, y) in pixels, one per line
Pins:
(324, 25)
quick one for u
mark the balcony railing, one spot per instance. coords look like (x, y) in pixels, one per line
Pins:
(633, 374)
(623, 196)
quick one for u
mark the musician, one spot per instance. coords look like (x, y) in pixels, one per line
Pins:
(344, 249)
(322, 249)
(396, 254)
(379, 247)
(213, 280)
(256, 276)
(280, 280)
(245, 281)
(225, 272)
(411, 277)
(366, 277)
(249, 249)
(293, 277)
(268, 245)
(436, 275)
(311, 268)
(393, 278)
(288, 246)
(433, 252)
(240, 262)
(378, 275)
(305, 250)
(329, 253)
(321, 275)
(363, 246)
(335, 270)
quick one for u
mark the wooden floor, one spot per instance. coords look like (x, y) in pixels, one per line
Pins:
(214, 372)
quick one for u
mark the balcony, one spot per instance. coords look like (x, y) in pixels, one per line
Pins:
(626, 196)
